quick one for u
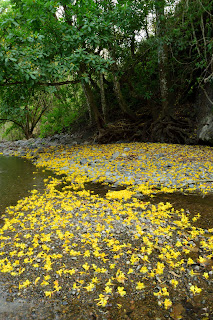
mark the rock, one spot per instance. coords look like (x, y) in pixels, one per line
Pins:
(92, 164)
(204, 114)
(115, 155)
(160, 155)
(205, 133)
(71, 162)
(22, 153)
(83, 161)
(86, 143)
(64, 168)
(41, 150)
(8, 152)
(168, 165)
(33, 146)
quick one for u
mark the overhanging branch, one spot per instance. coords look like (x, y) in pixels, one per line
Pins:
(46, 84)
(10, 120)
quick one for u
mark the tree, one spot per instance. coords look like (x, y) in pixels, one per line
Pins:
(68, 47)
(23, 107)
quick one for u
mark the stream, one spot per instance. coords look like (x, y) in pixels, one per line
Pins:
(19, 176)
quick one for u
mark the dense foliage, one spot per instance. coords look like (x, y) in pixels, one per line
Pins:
(106, 60)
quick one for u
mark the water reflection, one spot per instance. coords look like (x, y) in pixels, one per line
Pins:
(17, 177)
(192, 204)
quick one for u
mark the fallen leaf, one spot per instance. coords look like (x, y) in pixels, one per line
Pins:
(177, 311)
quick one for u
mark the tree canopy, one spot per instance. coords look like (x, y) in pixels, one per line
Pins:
(135, 59)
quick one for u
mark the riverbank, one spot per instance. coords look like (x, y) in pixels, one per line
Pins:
(93, 240)
(158, 165)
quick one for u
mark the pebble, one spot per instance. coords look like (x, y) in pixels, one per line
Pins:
(115, 155)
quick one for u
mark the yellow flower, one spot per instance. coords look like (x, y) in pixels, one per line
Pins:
(37, 279)
(121, 291)
(56, 286)
(86, 253)
(165, 292)
(21, 270)
(90, 286)
(134, 259)
(95, 280)
(71, 271)
(24, 284)
(48, 293)
(140, 285)
(160, 268)
(102, 300)
(190, 261)
(157, 294)
(174, 283)
(60, 271)
(145, 258)
(151, 274)
(178, 244)
(108, 289)
(201, 260)
(109, 283)
(167, 303)
(75, 286)
(192, 273)
(195, 289)
(130, 271)
(144, 269)
(86, 266)
(120, 276)
(35, 265)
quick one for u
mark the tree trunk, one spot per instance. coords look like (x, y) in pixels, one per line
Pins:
(103, 97)
(162, 57)
(121, 101)
(93, 109)
(91, 119)
(28, 135)
(163, 77)
(28, 132)
(133, 46)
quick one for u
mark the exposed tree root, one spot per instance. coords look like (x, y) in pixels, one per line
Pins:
(168, 130)
(171, 130)
(123, 130)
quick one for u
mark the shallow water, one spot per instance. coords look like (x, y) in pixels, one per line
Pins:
(17, 177)
(192, 204)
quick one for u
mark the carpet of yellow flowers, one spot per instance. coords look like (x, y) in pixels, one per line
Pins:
(120, 256)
